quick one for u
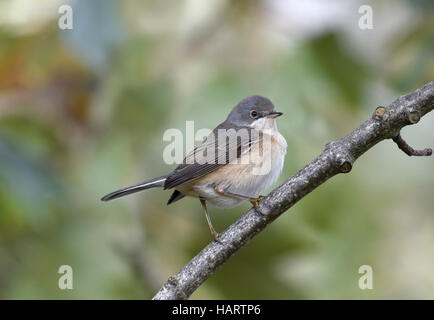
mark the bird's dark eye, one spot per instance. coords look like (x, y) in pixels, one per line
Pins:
(254, 114)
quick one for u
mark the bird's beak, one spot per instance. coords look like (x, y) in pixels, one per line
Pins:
(274, 114)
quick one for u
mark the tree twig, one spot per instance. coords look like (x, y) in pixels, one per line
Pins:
(409, 150)
(337, 157)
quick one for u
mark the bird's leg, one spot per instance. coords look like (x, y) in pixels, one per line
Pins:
(214, 233)
(253, 201)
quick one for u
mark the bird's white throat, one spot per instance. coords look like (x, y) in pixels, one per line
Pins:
(267, 124)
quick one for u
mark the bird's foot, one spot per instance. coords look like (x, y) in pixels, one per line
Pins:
(216, 236)
(255, 201)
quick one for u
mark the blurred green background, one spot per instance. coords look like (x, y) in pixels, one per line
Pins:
(83, 112)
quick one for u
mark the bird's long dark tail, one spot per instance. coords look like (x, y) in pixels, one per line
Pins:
(156, 182)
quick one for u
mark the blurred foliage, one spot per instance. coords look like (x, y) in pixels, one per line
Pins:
(83, 112)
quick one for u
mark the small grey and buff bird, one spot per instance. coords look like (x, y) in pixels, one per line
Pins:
(240, 158)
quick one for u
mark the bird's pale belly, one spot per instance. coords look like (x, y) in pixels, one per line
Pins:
(252, 173)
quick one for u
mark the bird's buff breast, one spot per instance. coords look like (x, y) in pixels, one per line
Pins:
(249, 175)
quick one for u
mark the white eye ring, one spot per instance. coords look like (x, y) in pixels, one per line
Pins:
(254, 114)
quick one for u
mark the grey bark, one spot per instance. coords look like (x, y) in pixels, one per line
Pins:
(337, 157)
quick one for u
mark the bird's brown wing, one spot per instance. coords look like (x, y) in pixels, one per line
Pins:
(225, 150)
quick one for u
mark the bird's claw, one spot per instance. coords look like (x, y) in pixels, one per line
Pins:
(255, 202)
(216, 236)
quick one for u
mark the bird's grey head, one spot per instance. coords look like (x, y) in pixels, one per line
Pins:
(254, 111)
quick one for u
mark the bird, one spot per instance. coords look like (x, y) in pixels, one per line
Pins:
(236, 162)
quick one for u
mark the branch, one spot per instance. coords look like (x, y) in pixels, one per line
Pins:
(337, 157)
(409, 150)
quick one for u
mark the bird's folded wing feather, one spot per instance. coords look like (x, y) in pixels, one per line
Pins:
(195, 164)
